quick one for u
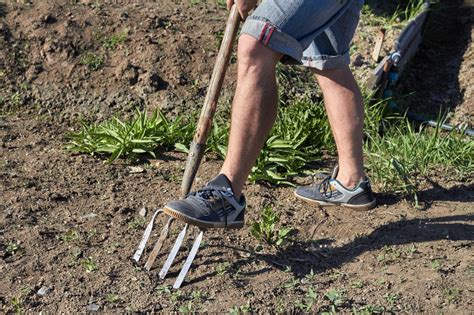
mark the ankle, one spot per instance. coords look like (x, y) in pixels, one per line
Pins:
(349, 184)
(236, 188)
(350, 181)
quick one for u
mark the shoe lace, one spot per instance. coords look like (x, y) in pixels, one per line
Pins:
(210, 193)
(324, 187)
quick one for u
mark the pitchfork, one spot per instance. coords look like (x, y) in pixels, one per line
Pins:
(196, 153)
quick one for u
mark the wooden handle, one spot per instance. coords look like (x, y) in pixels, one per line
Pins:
(225, 51)
(210, 103)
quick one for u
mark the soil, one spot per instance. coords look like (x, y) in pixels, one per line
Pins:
(69, 224)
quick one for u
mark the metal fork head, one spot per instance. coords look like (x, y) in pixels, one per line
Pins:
(174, 251)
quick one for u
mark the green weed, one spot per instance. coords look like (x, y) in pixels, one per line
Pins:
(17, 302)
(112, 298)
(70, 236)
(336, 275)
(116, 39)
(222, 268)
(292, 283)
(391, 300)
(389, 255)
(452, 294)
(12, 248)
(164, 289)
(435, 264)
(177, 296)
(266, 229)
(197, 295)
(311, 298)
(186, 308)
(17, 305)
(357, 284)
(221, 3)
(136, 223)
(97, 6)
(74, 257)
(335, 299)
(311, 276)
(16, 99)
(243, 309)
(113, 248)
(89, 264)
(368, 309)
(93, 61)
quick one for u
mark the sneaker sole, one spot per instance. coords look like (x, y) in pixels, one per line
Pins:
(199, 223)
(363, 207)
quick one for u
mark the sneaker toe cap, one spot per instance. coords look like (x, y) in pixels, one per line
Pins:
(192, 211)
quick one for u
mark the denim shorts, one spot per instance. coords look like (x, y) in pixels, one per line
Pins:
(315, 33)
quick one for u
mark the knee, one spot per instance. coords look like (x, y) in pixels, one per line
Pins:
(334, 78)
(253, 54)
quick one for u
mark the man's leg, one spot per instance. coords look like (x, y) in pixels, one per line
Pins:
(254, 109)
(348, 185)
(220, 203)
(345, 109)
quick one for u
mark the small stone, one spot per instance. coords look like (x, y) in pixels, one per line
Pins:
(142, 212)
(49, 19)
(135, 169)
(56, 197)
(92, 307)
(43, 290)
(89, 216)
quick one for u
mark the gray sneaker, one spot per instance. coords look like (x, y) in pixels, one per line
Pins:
(330, 192)
(214, 206)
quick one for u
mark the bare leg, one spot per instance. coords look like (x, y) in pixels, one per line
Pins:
(345, 109)
(254, 109)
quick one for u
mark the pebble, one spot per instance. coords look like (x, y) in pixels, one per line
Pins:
(135, 169)
(142, 212)
(89, 216)
(49, 19)
(43, 290)
(92, 307)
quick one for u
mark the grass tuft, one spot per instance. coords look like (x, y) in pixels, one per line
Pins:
(93, 61)
(141, 135)
(403, 157)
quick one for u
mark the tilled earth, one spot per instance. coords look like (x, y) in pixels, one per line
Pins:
(69, 224)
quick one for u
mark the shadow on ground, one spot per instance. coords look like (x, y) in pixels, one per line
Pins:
(304, 257)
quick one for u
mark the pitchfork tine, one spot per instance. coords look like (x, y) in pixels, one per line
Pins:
(173, 253)
(146, 236)
(189, 261)
(158, 245)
